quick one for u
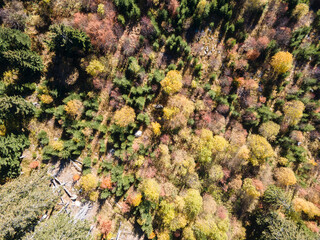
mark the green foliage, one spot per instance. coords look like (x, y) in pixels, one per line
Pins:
(11, 148)
(298, 35)
(12, 39)
(193, 203)
(43, 138)
(68, 42)
(128, 8)
(60, 225)
(276, 198)
(22, 202)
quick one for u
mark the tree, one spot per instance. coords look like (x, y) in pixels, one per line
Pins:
(269, 130)
(285, 176)
(156, 128)
(74, 108)
(256, 3)
(282, 62)
(193, 203)
(302, 205)
(88, 183)
(172, 83)
(124, 116)
(11, 148)
(95, 67)
(167, 212)
(60, 226)
(68, 42)
(150, 189)
(260, 149)
(293, 112)
(300, 10)
(22, 204)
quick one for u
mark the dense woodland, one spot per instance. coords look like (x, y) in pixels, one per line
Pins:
(184, 119)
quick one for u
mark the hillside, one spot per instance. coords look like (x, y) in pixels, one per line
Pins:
(168, 120)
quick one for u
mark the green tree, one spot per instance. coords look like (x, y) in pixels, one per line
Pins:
(60, 226)
(23, 200)
(11, 148)
(68, 42)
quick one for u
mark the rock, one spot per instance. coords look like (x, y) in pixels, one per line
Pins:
(138, 134)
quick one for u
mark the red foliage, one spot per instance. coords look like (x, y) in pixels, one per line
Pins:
(76, 177)
(104, 226)
(165, 139)
(253, 54)
(102, 32)
(125, 208)
(98, 83)
(173, 7)
(106, 183)
(262, 42)
(34, 164)
(147, 29)
(222, 212)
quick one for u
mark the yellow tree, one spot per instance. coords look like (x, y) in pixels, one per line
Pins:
(282, 62)
(193, 203)
(156, 128)
(150, 189)
(74, 108)
(300, 10)
(172, 83)
(124, 116)
(260, 149)
(88, 183)
(293, 112)
(285, 176)
(269, 130)
(95, 67)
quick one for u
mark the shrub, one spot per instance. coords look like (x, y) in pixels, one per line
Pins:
(150, 189)
(260, 148)
(282, 62)
(193, 203)
(172, 83)
(124, 116)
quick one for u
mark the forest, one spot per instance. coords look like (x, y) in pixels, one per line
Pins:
(160, 119)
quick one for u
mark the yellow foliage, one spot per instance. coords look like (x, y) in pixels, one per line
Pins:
(95, 67)
(201, 6)
(282, 62)
(124, 116)
(156, 128)
(172, 83)
(302, 205)
(164, 235)
(260, 148)
(10, 77)
(187, 234)
(74, 107)
(139, 161)
(285, 176)
(256, 3)
(93, 196)
(151, 189)
(300, 10)
(46, 99)
(269, 130)
(293, 112)
(3, 130)
(179, 222)
(219, 144)
(57, 145)
(170, 112)
(249, 188)
(88, 182)
(100, 9)
(193, 203)
(243, 153)
(185, 105)
(283, 161)
(166, 212)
